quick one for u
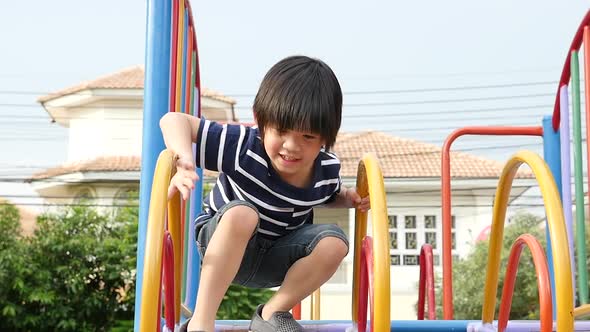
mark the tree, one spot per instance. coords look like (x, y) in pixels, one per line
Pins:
(77, 274)
(13, 265)
(469, 274)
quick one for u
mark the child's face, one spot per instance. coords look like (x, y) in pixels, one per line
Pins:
(292, 153)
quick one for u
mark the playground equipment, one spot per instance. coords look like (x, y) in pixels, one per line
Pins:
(168, 261)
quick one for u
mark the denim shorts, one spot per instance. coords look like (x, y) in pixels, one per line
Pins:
(266, 261)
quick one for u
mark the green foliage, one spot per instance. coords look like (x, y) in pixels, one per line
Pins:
(240, 302)
(13, 267)
(469, 275)
(76, 273)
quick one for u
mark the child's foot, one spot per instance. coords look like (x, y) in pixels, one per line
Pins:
(280, 321)
(184, 327)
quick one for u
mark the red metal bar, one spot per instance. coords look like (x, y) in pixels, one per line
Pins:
(566, 72)
(182, 225)
(426, 283)
(173, 55)
(586, 91)
(158, 317)
(446, 198)
(543, 283)
(195, 65)
(366, 279)
(169, 281)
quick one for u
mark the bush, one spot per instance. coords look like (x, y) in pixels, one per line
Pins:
(77, 274)
(240, 302)
(469, 275)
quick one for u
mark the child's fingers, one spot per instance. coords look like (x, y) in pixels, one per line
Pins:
(189, 183)
(171, 191)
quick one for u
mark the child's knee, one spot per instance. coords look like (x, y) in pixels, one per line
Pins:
(242, 219)
(332, 248)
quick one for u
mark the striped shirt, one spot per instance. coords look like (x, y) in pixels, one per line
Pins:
(246, 174)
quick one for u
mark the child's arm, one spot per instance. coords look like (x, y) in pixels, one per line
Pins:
(349, 198)
(180, 131)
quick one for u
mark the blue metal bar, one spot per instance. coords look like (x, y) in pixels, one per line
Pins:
(156, 86)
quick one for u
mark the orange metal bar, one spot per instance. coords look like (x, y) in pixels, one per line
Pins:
(426, 283)
(188, 72)
(446, 198)
(566, 72)
(173, 56)
(297, 311)
(542, 270)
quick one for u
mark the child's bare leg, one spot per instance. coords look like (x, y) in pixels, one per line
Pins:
(221, 263)
(307, 275)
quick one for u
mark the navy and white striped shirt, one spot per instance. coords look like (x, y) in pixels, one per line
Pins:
(246, 174)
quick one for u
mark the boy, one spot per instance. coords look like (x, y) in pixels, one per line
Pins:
(257, 227)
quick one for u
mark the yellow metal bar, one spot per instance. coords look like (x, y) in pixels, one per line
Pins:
(582, 311)
(175, 232)
(315, 305)
(150, 317)
(370, 182)
(557, 234)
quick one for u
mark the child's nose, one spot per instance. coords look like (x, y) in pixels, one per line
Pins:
(291, 144)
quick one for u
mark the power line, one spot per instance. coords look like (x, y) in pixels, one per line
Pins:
(393, 103)
(364, 92)
(344, 116)
(435, 89)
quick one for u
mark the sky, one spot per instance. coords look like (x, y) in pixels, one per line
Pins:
(414, 69)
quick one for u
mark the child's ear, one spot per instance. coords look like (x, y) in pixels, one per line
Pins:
(255, 120)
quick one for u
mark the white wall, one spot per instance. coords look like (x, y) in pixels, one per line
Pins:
(113, 127)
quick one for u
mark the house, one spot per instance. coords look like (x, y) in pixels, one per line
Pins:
(104, 117)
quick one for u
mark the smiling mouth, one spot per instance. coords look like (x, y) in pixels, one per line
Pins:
(288, 158)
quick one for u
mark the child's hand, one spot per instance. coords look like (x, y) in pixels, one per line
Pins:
(184, 179)
(358, 202)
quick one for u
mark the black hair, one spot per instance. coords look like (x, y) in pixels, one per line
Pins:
(303, 94)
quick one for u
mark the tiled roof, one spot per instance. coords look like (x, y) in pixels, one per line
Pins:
(405, 158)
(128, 78)
(398, 157)
(101, 164)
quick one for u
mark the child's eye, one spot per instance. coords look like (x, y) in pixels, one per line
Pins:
(309, 137)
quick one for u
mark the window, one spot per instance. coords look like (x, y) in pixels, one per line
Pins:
(392, 240)
(407, 237)
(436, 259)
(430, 222)
(125, 199)
(411, 241)
(392, 221)
(411, 260)
(430, 238)
(83, 195)
(410, 222)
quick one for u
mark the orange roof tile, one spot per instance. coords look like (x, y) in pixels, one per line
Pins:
(405, 158)
(398, 157)
(128, 78)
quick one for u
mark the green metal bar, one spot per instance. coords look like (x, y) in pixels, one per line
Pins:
(579, 181)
